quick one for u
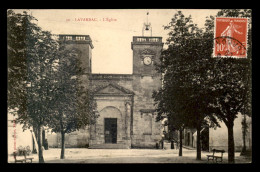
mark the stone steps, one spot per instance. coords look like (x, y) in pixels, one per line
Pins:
(109, 146)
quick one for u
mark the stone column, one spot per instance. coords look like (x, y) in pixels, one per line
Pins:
(127, 117)
(93, 132)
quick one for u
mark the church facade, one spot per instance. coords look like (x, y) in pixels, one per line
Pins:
(125, 106)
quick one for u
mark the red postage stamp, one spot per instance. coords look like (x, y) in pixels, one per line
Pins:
(230, 37)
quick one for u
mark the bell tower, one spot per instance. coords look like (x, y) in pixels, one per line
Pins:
(146, 51)
(82, 46)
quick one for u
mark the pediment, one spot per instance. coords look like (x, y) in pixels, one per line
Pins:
(112, 89)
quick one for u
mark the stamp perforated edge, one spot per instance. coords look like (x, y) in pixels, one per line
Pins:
(247, 26)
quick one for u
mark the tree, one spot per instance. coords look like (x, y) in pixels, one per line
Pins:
(244, 133)
(31, 53)
(176, 119)
(184, 94)
(73, 106)
(230, 82)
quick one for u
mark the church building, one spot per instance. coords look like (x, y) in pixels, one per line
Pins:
(125, 105)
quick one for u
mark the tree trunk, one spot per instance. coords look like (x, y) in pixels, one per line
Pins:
(244, 130)
(198, 143)
(62, 138)
(244, 142)
(231, 144)
(40, 153)
(43, 138)
(180, 146)
(62, 145)
(34, 150)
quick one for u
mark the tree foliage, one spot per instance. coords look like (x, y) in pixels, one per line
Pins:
(45, 84)
(230, 81)
(73, 98)
(73, 107)
(31, 52)
(198, 89)
(184, 64)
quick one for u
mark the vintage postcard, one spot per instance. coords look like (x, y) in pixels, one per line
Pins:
(129, 86)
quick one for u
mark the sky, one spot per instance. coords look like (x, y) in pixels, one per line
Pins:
(112, 39)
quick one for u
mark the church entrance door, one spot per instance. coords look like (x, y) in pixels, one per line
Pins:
(110, 130)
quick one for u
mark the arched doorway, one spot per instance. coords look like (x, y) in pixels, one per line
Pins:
(112, 121)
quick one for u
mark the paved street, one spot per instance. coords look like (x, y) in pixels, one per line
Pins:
(83, 155)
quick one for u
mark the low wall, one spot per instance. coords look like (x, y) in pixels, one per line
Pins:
(76, 139)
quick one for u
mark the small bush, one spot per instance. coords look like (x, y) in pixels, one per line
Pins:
(23, 150)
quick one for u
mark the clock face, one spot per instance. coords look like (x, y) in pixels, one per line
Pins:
(147, 60)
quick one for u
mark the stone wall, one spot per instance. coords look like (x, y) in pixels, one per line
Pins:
(143, 110)
(102, 80)
(74, 139)
(145, 80)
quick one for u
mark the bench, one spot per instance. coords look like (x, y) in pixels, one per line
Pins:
(30, 158)
(23, 160)
(217, 155)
